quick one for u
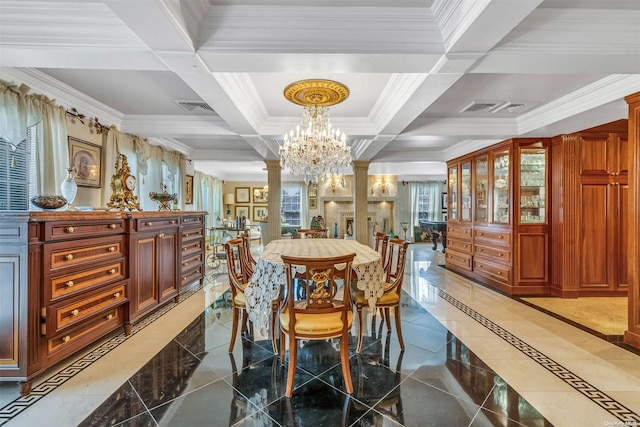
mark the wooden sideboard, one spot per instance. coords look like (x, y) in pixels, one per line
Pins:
(77, 276)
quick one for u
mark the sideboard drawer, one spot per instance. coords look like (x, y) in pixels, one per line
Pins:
(149, 224)
(88, 251)
(73, 283)
(69, 313)
(84, 333)
(65, 230)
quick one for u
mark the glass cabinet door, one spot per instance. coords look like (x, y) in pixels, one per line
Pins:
(482, 183)
(533, 182)
(501, 187)
(453, 193)
(465, 192)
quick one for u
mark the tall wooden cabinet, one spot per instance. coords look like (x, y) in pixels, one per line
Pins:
(499, 232)
(591, 219)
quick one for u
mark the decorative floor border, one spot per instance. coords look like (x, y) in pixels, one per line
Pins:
(597, 396)
(21, 403)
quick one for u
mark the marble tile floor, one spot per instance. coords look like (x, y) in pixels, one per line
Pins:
(473, 357)
(605, 315)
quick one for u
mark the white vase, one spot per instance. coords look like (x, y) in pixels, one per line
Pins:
(69, 187)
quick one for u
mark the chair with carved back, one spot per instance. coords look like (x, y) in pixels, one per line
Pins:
(320, 315)
(250, 262)
(308, 233)
(237, 283)
(381, 242)
(394, 274)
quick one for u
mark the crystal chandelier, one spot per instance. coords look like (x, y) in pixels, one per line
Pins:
(315, 149)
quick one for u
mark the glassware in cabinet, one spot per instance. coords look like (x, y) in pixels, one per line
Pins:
(533, 184)
(453, 193)
(482, 183)
(465, 191)
(501, 180)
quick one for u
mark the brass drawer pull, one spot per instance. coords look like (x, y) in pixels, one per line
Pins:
(112, 271)
(480, 234)
(500, 254)
(75, 312)
(66, 338)
(500, 236)
(149, 224)
(116, 295)
(499, 272)
(173, 221)
(184, 249)
(68, 257)
(111, 249)
(109, 316)
(186, 234)
(69, 284)
(70, 229)
(112, 226)
(184, 264)
(161, 235)
(480, 250)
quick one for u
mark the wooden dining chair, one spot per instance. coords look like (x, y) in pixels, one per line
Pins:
(248, 259)
(308, 233)
(394, 274)
(237, 283)
(320, 315)
(381, 242)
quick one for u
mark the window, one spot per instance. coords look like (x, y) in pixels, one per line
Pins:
(291, 204)
(17, 172)
(423, 203)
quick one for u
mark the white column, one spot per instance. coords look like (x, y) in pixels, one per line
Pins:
(274, 181)
(360, 200)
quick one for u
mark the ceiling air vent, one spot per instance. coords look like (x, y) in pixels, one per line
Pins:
(512, 107)
(477, 106)
(194, 105)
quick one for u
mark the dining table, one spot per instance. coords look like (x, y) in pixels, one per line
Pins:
(269, 274)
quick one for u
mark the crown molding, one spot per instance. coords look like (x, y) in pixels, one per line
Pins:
(64, 95)
(172, 144)
(604, 91)
(399, 89)
(468, 146)
(241, 91)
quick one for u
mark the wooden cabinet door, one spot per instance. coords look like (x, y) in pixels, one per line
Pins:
(622, 217)
(144, 294)
(597, 237)
(167, 265)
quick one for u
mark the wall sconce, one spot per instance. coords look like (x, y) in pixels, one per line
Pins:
(333, 184)
(382, 185)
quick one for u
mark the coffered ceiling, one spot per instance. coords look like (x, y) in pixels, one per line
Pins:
(429, 80)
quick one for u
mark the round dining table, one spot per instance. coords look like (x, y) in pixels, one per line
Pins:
(269, 274)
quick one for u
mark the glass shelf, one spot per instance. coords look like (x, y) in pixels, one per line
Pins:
(533, 175)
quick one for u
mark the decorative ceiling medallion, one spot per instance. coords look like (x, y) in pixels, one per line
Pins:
(316, 92)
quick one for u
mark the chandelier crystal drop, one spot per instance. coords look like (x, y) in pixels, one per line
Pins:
(315, 149)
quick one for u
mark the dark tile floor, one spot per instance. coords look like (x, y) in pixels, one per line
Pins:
(435, 381)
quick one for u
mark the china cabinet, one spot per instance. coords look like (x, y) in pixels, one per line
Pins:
(499, 242)
(591, 221)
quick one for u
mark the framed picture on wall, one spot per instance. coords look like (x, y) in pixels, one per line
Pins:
(313, 203)
(188, 196)
(87, 159)
(242, 211)
(443, 201)
(260, 213)
(259, 195)
(242, 195)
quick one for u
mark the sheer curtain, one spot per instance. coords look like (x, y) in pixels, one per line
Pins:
(207, 196)
(432, 191)
(52, 149)
(414, 197)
